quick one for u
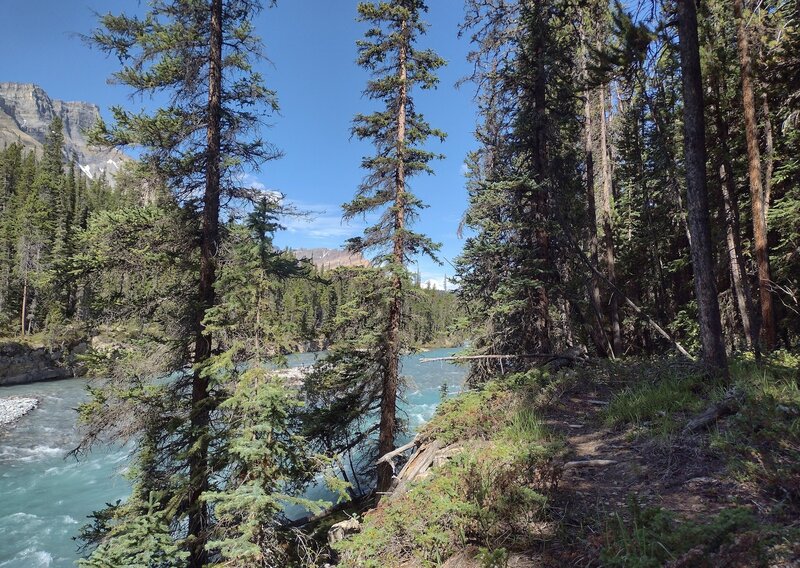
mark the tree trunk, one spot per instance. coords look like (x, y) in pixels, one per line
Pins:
(541, 199)
(598, 333)
(608, 235)
(769, 151)
(714, 357)
(23, 315)
(756, 188)
(391, 378)
(730, 205)
(201, 407)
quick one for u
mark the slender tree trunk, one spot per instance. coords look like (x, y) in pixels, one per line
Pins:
(598, 333)
(714, 356)
(608, 228)
(23, 314)
(201, 404)
(391, 378)
(671, 170)
(541, 199)
(730, 206)
(756, 188)
(770, 158)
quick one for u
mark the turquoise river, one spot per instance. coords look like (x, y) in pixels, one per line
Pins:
(45, 497)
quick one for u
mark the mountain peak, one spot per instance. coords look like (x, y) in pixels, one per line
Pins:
(26, 112)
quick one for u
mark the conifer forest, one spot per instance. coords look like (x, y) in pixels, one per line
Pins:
(607, 375)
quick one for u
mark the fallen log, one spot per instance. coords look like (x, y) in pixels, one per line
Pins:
(474, 357)
(727, 406)
(419, 463)
(389, 457)
(577, 353)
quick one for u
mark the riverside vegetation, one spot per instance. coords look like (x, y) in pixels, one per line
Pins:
(628, 286)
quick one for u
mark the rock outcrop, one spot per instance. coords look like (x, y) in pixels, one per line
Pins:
(26, 112)
(328, 259)
(21, 364)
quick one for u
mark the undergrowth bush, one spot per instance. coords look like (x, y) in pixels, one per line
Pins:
(471, 415)
(762, 440)
(489, 495)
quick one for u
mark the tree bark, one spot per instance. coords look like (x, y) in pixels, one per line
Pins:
(201, 407)
(730, 210)
(541, 198)
(597, 327)
(391, 379)
(608, 228)
(714, 357)
(768, 330)
(769, 151)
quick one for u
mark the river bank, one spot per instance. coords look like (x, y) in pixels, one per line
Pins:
(22, 363)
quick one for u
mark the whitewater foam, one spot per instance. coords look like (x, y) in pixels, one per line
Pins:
(30, 558)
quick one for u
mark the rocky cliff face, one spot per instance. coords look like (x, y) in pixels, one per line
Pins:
(22, 364)
(328, 259)
(25, 115)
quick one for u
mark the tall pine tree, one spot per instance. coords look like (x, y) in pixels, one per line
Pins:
(389, 51)
(199, 55)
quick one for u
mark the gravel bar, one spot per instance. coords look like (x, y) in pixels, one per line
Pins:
(15, 407)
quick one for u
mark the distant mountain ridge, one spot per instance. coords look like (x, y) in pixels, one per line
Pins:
(26, 112)
(328, 259)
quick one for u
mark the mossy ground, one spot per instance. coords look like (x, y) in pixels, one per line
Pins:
(728, 496)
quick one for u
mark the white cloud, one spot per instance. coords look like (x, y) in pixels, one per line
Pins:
(437, 282)
(322, 223)
(252, 182)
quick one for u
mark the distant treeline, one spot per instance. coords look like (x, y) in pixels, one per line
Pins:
(76, 252)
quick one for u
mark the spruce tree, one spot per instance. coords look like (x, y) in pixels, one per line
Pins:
(714, 356)
(389, 52)
(199, 55)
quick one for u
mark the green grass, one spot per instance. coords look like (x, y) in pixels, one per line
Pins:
(657, 403)
(761, 442)
(652, 537)
(475, 414)
(496, 489)
(525, 426)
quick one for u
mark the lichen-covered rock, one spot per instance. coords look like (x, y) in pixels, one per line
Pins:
(340, 530)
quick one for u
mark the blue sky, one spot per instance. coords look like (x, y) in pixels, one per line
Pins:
(311, 45)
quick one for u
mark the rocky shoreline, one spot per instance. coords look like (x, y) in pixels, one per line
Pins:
(21, 364)
(13, 408)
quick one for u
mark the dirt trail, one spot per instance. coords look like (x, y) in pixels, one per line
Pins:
(675, 474)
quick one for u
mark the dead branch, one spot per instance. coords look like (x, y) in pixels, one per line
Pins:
(589, 463)
(389, 457)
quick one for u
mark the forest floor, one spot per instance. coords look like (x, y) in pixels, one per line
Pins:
(522, 491)
(620, 513)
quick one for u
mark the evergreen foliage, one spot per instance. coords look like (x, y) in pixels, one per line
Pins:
(398, 131)
(635, 170)
(624, 238)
